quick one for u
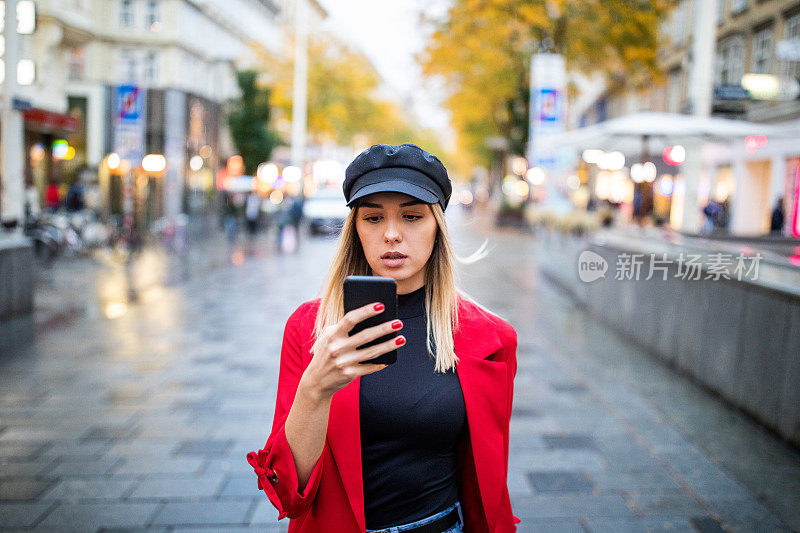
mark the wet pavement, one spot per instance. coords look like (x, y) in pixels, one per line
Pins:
(137, 415)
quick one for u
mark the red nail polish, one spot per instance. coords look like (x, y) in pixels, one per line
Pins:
(400, 341)
(397, 324)
(378, 307)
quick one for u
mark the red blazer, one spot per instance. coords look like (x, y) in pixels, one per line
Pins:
(333, 498)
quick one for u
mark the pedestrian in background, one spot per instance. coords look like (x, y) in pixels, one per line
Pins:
(777, 218)
(33, 207)
(75, 196)
(230, 216)
(52, 198)
(251, 213)
(418, 446)
(289, 226)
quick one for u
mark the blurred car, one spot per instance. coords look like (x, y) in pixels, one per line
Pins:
(325, 211)
(240, 184)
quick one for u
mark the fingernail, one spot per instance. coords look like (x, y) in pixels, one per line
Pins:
(400, 340)
(397, 324)
(378, 307)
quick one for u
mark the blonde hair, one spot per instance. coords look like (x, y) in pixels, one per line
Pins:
(441, 299)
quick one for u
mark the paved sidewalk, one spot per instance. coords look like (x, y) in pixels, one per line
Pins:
(140, 419)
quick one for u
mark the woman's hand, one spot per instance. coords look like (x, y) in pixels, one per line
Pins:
(338, 362)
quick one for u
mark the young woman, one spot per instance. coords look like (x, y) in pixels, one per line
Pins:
(420, 446)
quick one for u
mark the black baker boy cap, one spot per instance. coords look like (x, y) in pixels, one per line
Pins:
(406, 168)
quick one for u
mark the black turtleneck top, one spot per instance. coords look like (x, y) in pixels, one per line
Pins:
(411, 421)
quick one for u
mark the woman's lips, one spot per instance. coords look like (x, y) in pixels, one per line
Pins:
(393, 261)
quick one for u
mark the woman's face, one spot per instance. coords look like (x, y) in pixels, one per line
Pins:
(393, 224)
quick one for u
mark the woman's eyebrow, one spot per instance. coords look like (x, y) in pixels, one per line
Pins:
(380, 206)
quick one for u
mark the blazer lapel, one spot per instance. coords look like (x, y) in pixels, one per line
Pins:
(483, 383)
(344, 439)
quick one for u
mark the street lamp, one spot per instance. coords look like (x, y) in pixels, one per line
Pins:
(113, 161)
(196, 163)
(154, 163)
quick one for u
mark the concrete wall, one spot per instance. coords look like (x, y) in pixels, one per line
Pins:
(16, 278)
(739, 339)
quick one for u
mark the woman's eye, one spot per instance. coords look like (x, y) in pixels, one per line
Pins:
(376, 218)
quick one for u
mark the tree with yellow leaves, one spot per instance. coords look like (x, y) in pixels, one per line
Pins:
(481, 49)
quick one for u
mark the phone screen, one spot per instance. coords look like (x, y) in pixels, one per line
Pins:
(362, 290)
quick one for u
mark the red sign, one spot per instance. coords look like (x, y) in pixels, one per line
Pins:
(50, 121)
(796, 207)
(753, 142)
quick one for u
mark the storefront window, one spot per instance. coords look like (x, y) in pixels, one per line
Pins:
(793, 195)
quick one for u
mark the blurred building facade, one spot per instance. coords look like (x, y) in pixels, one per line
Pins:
(181, 55)
(751, 38)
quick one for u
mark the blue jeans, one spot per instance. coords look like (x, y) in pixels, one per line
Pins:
(458, 528)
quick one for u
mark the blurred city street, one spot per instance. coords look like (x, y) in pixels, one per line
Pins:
(138, 415)
(174, 175)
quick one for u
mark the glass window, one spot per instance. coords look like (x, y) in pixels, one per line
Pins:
(791, 32)
(128, 66)
(153, 15)
(674, 91)
(730, 61)
(77, 63)
(126, 13)
(151, 67)
(762, 51)
(679, 23)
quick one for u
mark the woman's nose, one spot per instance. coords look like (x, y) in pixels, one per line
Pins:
(392, 233)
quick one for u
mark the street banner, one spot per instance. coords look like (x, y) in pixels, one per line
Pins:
(129, 123)
(129, 139)
(547, 110)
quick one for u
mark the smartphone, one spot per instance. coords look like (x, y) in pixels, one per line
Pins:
(362, 290)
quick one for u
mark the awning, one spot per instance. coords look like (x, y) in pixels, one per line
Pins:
(628, 132)
(45, 121)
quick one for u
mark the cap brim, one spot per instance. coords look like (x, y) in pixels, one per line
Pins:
(421, 193)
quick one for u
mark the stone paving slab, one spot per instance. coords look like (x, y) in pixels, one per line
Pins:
(23, 489)
(550, 526)
(178, 487)
(90, 489)
(265, 514)
(221, 512)
(570, 506)
(22, 514)
(92, 516)
(639, 525)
